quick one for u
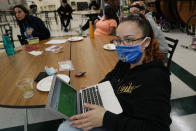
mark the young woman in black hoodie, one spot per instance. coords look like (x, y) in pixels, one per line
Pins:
(30, 26)
(140, 81)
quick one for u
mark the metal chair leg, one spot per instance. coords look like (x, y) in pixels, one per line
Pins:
(26, 120)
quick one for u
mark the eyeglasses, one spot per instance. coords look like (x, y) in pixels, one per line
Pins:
(127, 41)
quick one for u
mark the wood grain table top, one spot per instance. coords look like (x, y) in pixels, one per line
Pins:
(86, 55)
(89, 56)
(24, 65)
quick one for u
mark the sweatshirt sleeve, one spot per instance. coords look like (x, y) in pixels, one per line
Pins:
(113, 122)
(70, 9)
(108, 77)
(119, 68)
(59, 11)
(21, 30)
(42, 32)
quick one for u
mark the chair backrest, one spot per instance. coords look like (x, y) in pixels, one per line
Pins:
(22, 39)
(172, 43)
(82, 5)
(73, 3)
(7, 30)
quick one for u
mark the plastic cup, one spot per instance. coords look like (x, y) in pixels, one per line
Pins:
(26, 86)
(32, 41)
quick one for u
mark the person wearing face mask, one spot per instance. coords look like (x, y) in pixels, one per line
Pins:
(140, 81)
(30, 26)
(140, 7)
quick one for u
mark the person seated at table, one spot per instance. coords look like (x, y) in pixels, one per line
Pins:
(140, 81)
(30, 26)
(140, 7)
(107, 24)
(65, 12)
(33, 7)
(115, 4)
(92, 17)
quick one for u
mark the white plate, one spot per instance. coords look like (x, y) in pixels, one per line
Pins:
(45, 84)
(76, 38)
(109, 47)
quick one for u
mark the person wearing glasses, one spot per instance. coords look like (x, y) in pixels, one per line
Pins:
(140, 81)
(140, 7)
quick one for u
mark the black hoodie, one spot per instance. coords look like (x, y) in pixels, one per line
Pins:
(39, 28)
(144, 94)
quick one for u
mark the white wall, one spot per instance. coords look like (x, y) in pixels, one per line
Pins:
(7, 4)
(44, 4)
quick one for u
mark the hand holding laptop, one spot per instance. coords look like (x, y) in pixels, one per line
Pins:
(66, 101)
(90, 119)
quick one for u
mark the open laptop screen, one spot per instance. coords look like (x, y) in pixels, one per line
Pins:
(64, 98)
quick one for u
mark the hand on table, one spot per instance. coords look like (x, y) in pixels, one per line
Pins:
(90, 119)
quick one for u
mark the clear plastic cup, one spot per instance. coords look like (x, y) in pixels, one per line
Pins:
(26, 86)
(34, 40)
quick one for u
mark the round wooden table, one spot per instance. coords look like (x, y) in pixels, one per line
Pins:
(87, 55)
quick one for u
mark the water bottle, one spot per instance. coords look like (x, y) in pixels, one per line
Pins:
(8, 45)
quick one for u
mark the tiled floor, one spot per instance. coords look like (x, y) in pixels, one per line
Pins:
(183, 95)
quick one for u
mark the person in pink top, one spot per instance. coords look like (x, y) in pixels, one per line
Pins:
(108, 23)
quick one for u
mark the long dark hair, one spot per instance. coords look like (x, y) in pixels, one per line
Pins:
(26, 11)
(110, 13)
(152, 52)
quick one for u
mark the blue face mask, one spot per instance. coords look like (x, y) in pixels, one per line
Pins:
(129, 54)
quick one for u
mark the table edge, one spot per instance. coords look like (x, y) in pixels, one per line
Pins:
(32, 106)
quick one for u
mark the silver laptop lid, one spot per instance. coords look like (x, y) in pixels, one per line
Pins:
(62, 98)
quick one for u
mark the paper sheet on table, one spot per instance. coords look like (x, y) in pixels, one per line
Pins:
(35, 53)
(56, 41)
(53, 48)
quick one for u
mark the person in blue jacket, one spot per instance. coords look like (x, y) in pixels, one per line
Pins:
(30, 26)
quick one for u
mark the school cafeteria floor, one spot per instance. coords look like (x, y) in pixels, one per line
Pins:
(183, 97)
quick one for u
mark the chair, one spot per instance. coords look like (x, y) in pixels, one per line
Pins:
(73, 3)
(172, 43)
(82, 5)
(47, 20)
(7, 30)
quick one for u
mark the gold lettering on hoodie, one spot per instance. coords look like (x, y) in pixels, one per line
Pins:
(127, 89)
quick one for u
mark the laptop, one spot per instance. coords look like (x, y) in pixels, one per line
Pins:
(65, 101)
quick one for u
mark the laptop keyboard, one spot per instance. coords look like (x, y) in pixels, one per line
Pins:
(91, 96)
